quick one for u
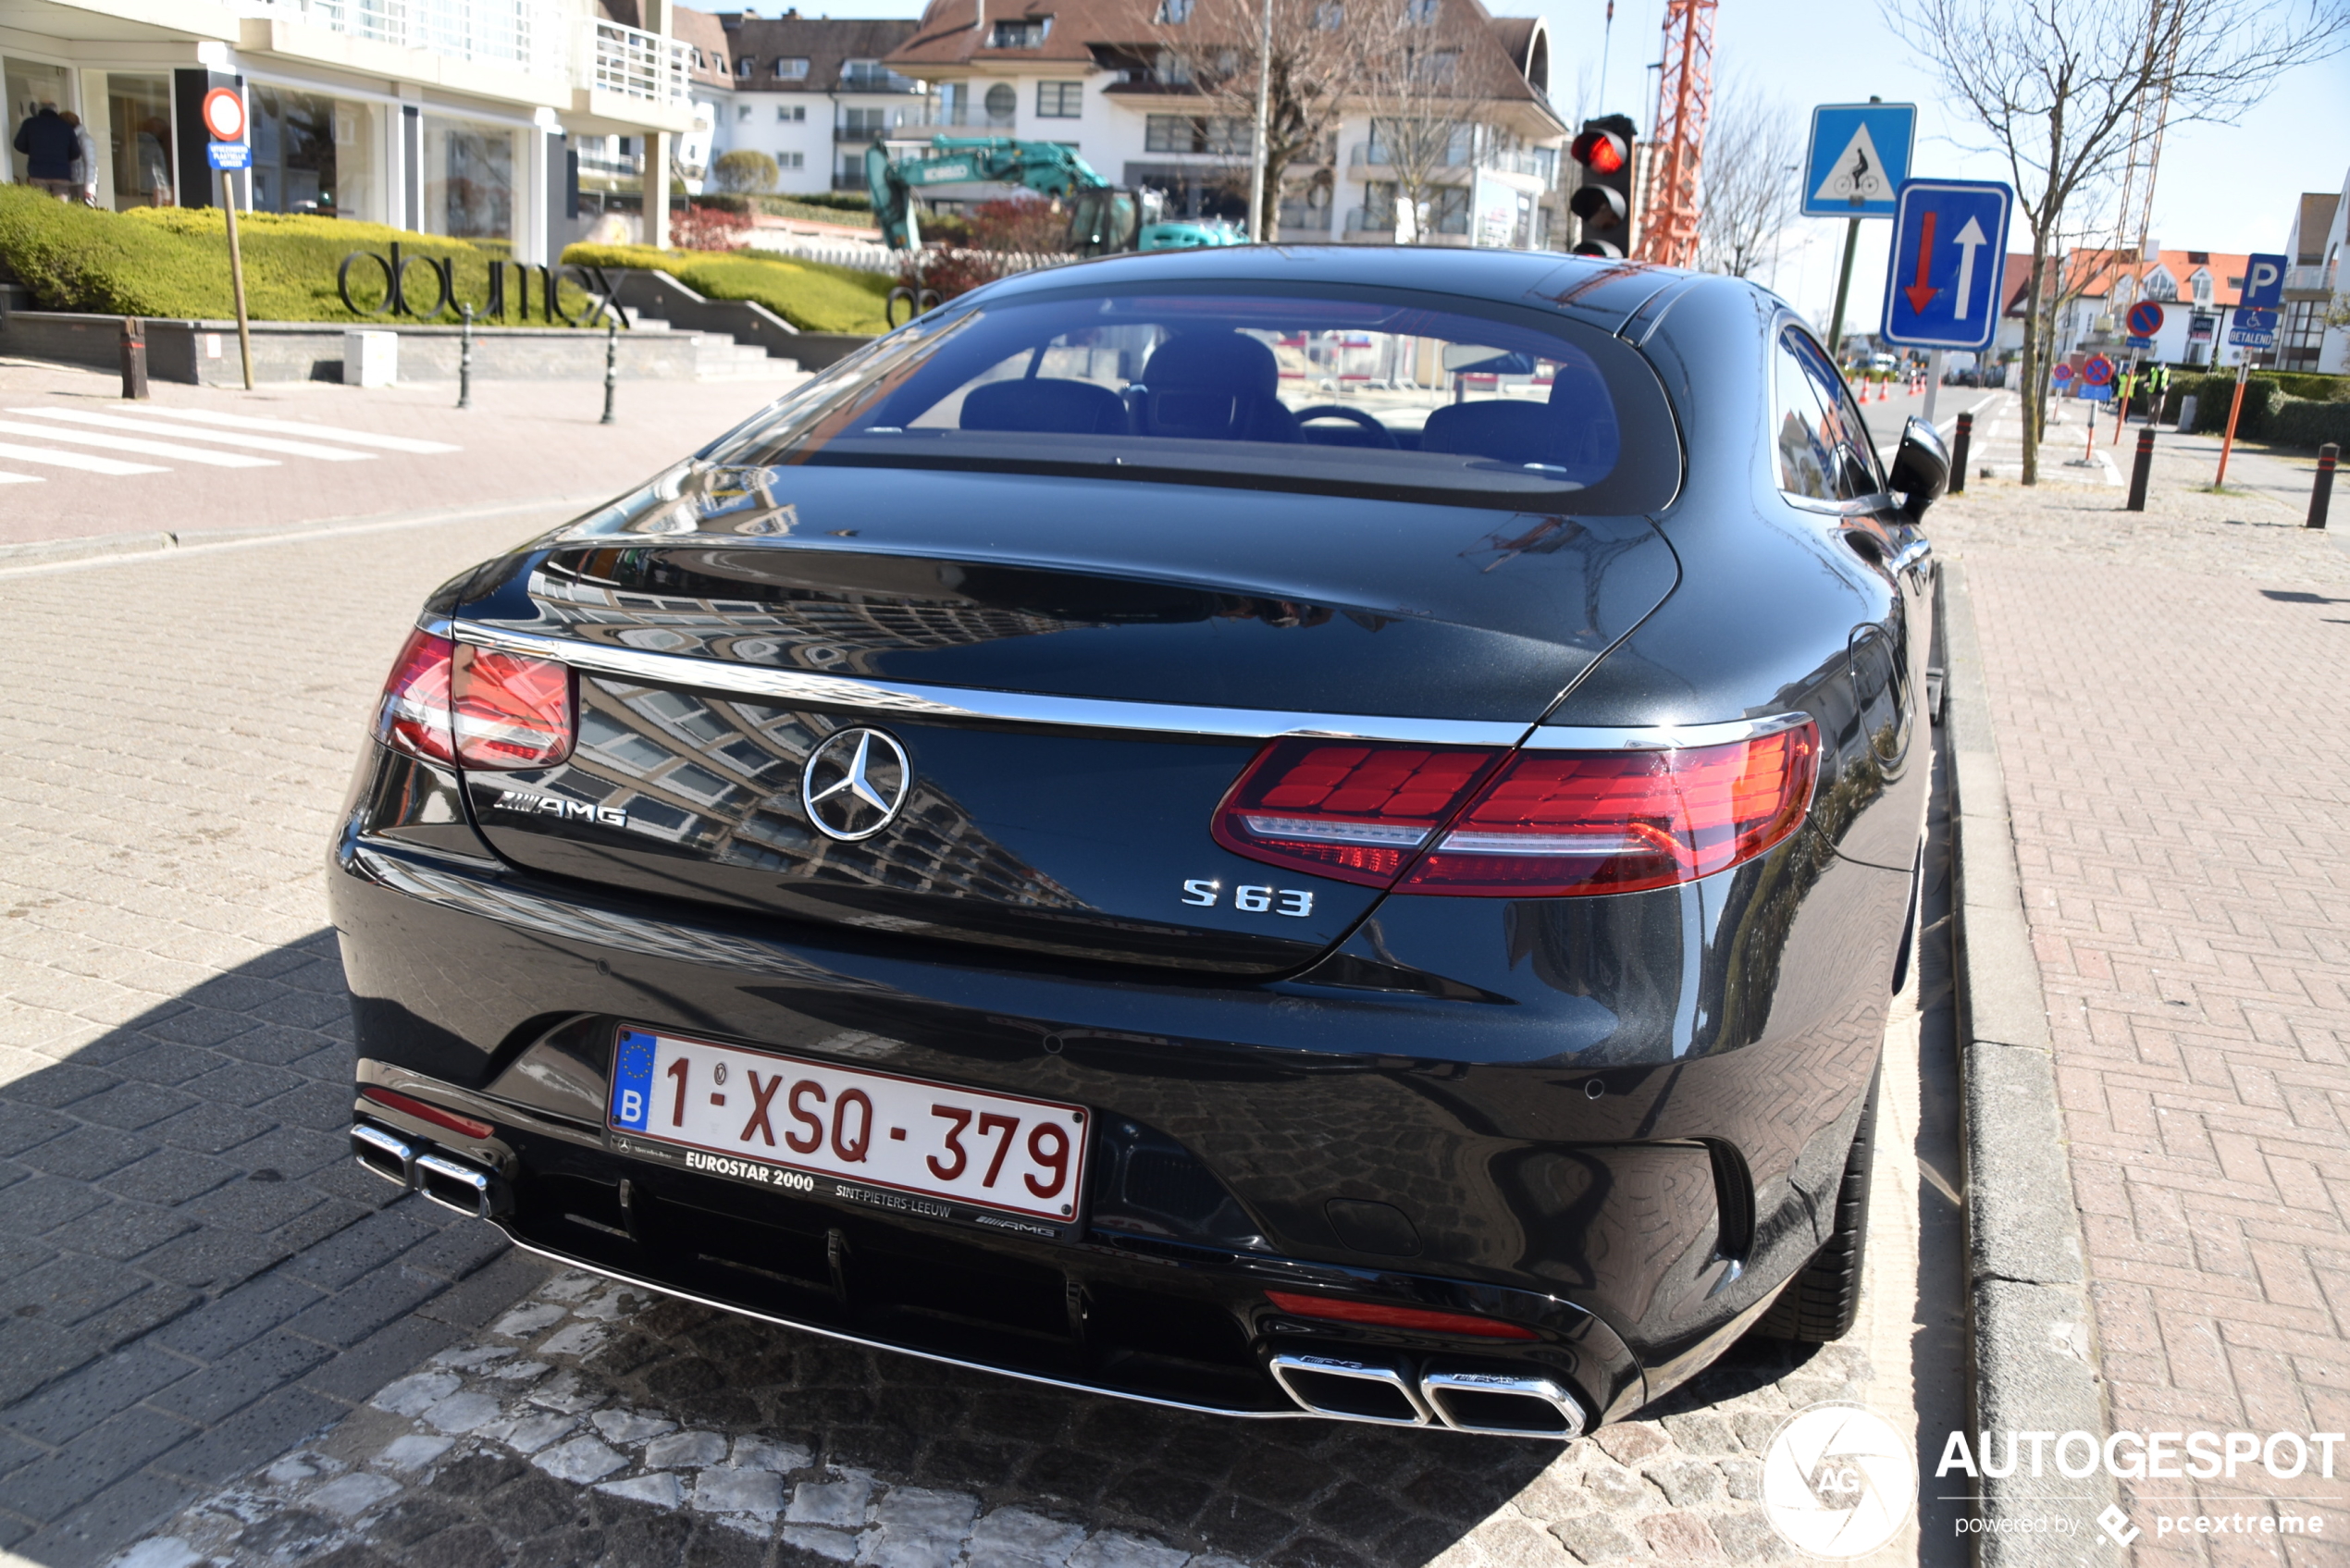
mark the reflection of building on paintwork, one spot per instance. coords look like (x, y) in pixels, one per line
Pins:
(724, 778)
(829, 634)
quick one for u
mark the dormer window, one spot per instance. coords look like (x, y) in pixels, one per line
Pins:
(2160, 286)
(1027, 33)
(2200, 281)
(793, 70)
(1172, 13)
(744, 67)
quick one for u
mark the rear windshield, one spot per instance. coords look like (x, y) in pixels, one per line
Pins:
(1403, 396)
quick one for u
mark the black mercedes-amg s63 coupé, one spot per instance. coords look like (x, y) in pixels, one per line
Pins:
(1277, 830)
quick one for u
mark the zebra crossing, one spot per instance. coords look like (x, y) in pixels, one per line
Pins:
(135, 439)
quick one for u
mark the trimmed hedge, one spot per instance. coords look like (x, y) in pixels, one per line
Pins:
(173, 261)
(2305, 422)
(810, 295)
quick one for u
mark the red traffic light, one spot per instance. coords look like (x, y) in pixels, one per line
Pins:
(1602, 152)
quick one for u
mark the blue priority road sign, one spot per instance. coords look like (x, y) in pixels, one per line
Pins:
(229, 155)
(1859, 156)
(1949, 250)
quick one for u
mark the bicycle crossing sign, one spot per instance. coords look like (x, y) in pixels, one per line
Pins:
(1859, 157)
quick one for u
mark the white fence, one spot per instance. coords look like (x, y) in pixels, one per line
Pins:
(874, 258)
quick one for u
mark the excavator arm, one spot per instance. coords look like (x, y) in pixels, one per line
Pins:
(1045, 168)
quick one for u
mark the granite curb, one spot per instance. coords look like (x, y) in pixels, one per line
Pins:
(2032, 1336)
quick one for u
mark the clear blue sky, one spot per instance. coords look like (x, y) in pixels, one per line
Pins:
(2221, 188)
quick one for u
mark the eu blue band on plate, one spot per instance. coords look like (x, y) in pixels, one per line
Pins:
(632, 1080)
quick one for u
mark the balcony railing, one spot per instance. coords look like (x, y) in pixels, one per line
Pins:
(1361, 222)
(637, 64)
(533, 36)
(854, 80)
(2311, 281)
(540, 38)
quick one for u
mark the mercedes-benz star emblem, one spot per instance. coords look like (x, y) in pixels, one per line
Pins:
(855, 784)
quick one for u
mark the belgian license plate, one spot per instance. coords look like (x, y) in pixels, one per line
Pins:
(901, 1144)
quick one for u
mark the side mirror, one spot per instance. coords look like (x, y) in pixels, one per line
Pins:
(1921, 468)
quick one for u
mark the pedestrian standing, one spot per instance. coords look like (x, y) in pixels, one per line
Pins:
(49, 147)
(85, 158)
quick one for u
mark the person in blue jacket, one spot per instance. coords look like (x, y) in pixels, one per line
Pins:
(50, 147)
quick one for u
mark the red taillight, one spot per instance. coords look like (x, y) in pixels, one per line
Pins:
(1530, 824)
(1338, 1310)
(423, 1112)
(414, 715)
(1558, 823)
(508, 710)
(1354, 811)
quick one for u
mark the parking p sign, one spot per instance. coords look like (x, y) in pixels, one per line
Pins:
(2263, 282)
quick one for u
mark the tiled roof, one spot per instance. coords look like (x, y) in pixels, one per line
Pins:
(1492, 48)
(825, 43)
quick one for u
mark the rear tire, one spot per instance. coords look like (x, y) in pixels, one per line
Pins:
(1821, 1303)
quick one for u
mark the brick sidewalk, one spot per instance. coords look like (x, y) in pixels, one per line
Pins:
(195, 1275)
(2171, 694)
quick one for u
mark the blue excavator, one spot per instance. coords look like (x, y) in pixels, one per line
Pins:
(1103, 220)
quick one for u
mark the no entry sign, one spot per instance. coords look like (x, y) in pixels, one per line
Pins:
(224, 114)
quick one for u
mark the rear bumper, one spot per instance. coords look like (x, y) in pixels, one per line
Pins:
(1184, 1326)
(1621, 1133)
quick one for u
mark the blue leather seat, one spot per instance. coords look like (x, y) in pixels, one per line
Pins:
(1046, 405)
(1574, 431)
(1215, 387)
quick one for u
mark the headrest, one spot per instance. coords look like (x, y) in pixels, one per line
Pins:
(1222, 362)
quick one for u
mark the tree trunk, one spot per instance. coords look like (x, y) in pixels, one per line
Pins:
(2034, 306)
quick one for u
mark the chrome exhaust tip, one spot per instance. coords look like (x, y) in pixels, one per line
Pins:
(1350, 1390)
(1503, 1404)
(452, 1184)
(388, 1156)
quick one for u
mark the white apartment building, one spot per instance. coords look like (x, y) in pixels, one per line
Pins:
(450, 116)
(1100, 76)
(810, 92)
(2306, 341)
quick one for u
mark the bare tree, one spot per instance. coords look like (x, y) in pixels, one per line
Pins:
(1752, 181)
(1425, 91)
(1206, 54)
(2056, 85)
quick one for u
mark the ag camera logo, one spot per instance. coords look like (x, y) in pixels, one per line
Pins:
(1839, 1481)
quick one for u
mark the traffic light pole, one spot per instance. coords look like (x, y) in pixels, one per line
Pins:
(1843, 291)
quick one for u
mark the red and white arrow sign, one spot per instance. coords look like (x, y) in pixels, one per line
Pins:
(1969, 240)
(1922, 292)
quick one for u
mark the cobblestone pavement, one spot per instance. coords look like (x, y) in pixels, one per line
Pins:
(2171, 695)
(202, 1294)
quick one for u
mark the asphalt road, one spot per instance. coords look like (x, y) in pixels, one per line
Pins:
(219, 1335)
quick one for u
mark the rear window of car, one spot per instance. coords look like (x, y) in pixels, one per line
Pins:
(1405, 395)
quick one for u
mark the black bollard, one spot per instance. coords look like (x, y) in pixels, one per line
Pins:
(134, 358)
(466, 359)
(2142, 470)
(611, 365)
(1959, 443)
(2322, 491)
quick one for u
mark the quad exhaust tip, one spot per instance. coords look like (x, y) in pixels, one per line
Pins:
(1496, 1404)
(1349, 1389)
(453, 1184)
(1504, 1405)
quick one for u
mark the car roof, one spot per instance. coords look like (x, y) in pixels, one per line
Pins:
(1602, 293)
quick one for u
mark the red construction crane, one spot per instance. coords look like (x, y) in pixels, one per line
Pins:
(1683, 103)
